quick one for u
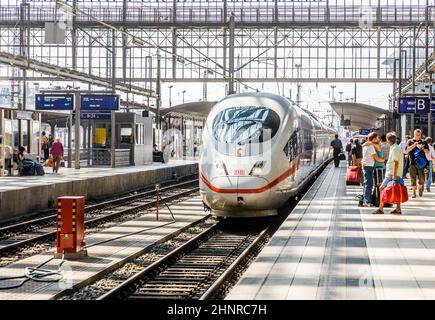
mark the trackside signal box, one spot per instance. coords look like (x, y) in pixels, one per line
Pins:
(70, 234)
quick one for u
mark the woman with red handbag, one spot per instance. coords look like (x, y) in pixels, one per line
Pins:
(393, 170)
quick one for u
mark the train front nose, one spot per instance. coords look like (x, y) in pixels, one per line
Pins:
(233, 193)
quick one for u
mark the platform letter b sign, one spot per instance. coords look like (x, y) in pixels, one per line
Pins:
(421, 105)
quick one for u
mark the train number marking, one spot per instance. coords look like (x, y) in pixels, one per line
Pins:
(239, 172)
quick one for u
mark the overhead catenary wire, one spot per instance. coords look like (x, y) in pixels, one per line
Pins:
(142, 43)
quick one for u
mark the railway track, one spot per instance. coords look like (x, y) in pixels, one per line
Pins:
(16, 236)
(198, 269)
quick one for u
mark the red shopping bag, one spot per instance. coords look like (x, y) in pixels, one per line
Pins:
(394, 193)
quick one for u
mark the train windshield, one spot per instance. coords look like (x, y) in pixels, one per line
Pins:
(245, 125)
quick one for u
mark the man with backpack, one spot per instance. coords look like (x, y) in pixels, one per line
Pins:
(417, 150)
(349, 151)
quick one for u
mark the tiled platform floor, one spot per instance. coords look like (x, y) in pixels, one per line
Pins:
(329, 248)
(100, 256)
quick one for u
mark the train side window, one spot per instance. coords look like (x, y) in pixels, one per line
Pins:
(292, 146)
(308, 140)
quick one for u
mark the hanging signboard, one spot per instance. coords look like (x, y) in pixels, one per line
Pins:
(418, 105)
(99, 102)
(54, 101)
(24, 115)
(365, 132)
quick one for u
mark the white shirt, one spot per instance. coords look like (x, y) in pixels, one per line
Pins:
(395, 155)
(368, 152)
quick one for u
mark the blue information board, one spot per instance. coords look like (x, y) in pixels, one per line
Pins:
(99, 102)
(365, 132)
(54, 101)
(407, 105)
(419, 105)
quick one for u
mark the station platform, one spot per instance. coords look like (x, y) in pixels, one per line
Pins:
(101, 257)
(20, 196)
(329, 248)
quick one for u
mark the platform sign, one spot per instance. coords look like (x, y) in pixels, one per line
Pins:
(94, 116)
(53, 101)
(407, 105)
(99, 102)
(418, 105)
(422, 105)
(365, 132)
(24, 115)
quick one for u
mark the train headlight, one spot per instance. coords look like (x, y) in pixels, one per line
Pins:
(257, 169)
(221, 168)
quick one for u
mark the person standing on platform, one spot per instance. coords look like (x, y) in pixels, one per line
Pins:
(337, 146)
(393, 170)
(57, 153)
(50, 140)
(44, 146)
(404, 146)
(430, 158)
(413, 145)
(368, 162)
(349, 152)
(357, 153)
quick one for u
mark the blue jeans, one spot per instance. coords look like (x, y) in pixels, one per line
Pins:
(429, 175)
(368, 184)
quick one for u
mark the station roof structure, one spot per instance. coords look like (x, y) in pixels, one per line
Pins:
(196, 109)
(361, 115)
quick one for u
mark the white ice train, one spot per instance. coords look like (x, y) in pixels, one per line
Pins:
(258, 151)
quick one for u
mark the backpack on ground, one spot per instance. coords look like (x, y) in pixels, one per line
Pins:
(39, 170)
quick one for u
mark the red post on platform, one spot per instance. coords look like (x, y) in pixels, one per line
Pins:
(70, 233)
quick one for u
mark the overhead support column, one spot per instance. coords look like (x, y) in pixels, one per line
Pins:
(378, 52)
(124, 48)
(232, 27)
(327, 50)
(77, 130)
(429, 116)
(275, 53)
(174, 52)
(113, 122)
(74, 39)
(70, 140)
(402, 116)
(158, 99)
(414, 33)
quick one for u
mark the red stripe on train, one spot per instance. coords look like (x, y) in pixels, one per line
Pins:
(270, 185)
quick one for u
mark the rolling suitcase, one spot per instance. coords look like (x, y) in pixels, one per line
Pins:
(353, 175)
(378, 178)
